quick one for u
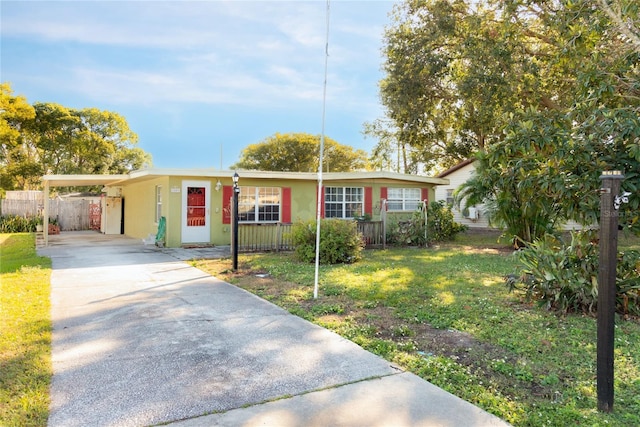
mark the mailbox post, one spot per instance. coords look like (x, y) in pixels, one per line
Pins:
(609, 205)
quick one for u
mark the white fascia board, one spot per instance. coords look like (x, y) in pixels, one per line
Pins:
(79, 180)
(341, 176)
(215, 173)
(83, 180)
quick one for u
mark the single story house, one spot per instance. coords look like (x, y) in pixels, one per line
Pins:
(474, 216)
(471, 216)
(196, 204)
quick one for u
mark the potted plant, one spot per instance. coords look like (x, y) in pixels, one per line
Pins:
(39, 226)
(54, 228)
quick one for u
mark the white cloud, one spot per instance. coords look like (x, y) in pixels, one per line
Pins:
(196, 86)
(168, 25)
(210, 52)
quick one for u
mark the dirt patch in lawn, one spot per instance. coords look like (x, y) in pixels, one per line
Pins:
(455, 345)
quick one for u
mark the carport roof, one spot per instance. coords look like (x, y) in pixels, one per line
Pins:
(82, 180)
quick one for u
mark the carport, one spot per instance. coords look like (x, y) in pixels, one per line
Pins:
(73, 181)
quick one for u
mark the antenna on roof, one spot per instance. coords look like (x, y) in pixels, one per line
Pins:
(319, 207)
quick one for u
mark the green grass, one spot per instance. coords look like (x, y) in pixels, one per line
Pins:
(629, 242)
(446, 315)
(25, 332)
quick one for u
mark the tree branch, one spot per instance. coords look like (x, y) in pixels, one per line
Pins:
(625, 27)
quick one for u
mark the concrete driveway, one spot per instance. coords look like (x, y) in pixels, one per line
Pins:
(142, 338)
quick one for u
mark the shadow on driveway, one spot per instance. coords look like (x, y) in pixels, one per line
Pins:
(141, 339)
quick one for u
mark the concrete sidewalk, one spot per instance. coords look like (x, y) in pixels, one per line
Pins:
(141, 338)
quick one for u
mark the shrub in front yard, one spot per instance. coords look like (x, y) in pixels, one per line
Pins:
(18, 224)
(628, 282)
(440, 227)
(340, 241)
(565, 277)
(440, 223)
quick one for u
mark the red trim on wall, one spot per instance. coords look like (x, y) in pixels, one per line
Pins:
(322, 204)
(384, 196)
(425, 194)
(227, 194)
(368, 200)
(286, 204)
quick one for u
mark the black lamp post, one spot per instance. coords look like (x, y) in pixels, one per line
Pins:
(234, 248)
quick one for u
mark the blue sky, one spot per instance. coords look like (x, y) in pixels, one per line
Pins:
(195, 79)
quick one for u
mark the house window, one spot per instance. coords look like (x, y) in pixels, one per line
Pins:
(403, 199)
(259, 204)
(158, 203)
(343, 202)
(450, 196)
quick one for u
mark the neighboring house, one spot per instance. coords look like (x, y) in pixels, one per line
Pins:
(472, 216)
(196, 204)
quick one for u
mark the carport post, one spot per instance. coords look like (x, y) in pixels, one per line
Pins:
(45, 213)
(607, 287)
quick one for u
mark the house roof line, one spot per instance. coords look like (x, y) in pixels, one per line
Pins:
(306, 176)
(85, 180)
(455, 168)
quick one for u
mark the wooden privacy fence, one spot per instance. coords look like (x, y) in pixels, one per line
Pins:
(25, 208)
(71, 215)
(277, 237)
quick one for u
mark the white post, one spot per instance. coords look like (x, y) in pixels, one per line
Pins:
(319, 207)
(45, 213)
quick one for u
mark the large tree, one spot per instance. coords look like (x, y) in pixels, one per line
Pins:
(391, 153)
(48, 138)
(14, 111)
(432, 53)
(300, 152)
(455, 70)
(547, 164)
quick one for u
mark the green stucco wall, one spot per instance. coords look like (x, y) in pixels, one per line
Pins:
(140, 203)
(140, 207)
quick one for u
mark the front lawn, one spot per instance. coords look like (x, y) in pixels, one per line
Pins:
(445, 314)
(25, 332)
